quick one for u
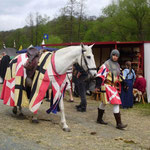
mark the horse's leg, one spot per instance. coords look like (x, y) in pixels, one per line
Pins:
(71, 96)
(35, 118)
(14, 110)
(63, 119)
(20, 113)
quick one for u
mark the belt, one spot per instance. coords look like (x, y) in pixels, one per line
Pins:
(117, 85)
(110, 83)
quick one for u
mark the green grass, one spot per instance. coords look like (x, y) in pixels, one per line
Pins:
(143, 108)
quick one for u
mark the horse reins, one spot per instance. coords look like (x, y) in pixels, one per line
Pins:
(85, 61)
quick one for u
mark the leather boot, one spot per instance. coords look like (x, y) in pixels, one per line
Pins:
(78, 106)
(81, 109)
(100, 116)
(119, 124)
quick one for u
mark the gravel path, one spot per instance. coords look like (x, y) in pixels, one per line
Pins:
(85, 133)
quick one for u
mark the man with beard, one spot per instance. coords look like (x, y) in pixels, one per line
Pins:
(108, 83)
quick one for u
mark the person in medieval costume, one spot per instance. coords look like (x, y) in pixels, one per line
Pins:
(4, 64)
(108, 82)
(127, 96)
(1, 80)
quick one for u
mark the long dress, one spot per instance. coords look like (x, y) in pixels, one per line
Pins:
(127, 96)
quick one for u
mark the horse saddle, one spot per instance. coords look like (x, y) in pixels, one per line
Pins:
(31, 64)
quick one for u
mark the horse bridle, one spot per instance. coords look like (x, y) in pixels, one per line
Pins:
(85, 61)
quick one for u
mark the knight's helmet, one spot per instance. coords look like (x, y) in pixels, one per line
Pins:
(114, 52)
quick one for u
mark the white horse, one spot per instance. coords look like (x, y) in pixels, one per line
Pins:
(64, 59)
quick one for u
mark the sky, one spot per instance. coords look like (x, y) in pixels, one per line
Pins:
(13, 13)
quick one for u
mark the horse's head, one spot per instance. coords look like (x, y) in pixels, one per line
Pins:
(87, 60)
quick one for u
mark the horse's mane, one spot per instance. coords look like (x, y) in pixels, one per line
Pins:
(70, 47)
(74, 48)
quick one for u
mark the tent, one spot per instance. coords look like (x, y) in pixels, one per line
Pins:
(147, 68)
(9, 51)
(39, 48)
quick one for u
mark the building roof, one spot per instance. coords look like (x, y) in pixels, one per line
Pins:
(9, 51)
(38, 48)
(99, 43)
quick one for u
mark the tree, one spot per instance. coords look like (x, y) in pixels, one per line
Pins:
(69, 12)
(53, 40)
(128, 18)
(36, 24)
(81, 6)
(40, 23)
(138, 11)
(30, 22)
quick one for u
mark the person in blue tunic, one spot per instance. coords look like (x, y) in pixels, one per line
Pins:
(127, 96)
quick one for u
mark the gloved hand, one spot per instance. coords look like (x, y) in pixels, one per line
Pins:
(98, 84)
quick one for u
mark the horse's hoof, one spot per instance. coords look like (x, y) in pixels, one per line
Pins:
(21, 116)
(35, 121)
(14, 110)
(66, 129)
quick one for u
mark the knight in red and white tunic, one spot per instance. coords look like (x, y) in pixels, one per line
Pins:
(108, 82)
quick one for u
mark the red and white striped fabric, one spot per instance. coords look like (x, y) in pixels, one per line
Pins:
(40, 92)
(58, 82)
(58, 85)
(112, 95)
(40, 88)
(109, 93)
(8, 91)
(20, 70)
(102, 73)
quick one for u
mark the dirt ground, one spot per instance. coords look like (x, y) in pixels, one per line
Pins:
(86, 134)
